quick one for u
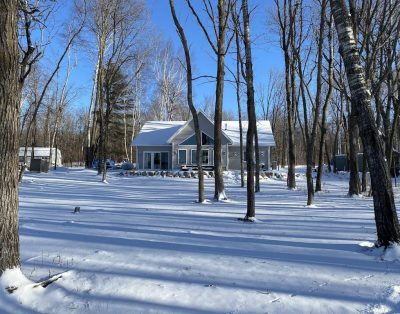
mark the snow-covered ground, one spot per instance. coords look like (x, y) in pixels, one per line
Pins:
(143, 245)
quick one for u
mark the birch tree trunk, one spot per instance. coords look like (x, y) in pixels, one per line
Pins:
(10, 95)
(386, 220)
(90, 122)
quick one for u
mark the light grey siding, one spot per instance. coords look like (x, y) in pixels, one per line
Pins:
(142, 149)
(234, 157)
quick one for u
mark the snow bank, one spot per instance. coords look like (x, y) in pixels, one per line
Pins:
(392, 253)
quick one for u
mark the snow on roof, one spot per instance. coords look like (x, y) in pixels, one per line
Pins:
(265, 136)
(39, 151)
(155, 133)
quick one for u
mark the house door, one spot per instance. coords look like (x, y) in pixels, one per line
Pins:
(156, 160)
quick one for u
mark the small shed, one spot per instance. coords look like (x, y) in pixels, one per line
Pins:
(340, 163)
(42, 153)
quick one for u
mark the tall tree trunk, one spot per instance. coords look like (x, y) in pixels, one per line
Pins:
(364, 173)
(386, 220)
(291, 176)
(238, 100)
(219, 193)
(318, 183)
(189, 80)
(10, 95)
(251, 130)
(311, 135)
(354, 180)
(91, 121)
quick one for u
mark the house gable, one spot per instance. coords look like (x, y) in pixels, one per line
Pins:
(206, 126)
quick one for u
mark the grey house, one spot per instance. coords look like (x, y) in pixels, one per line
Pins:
(169, 145)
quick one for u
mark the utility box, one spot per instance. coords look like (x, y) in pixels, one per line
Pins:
(340, 163)
(39, 165)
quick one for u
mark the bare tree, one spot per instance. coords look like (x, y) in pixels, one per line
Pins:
(310, 125)
(116, 27)
(38, 103)
(189, 81)
(170, 80)
(286, 17)
(385, 211)
(220, 48)
(251, 112)
(323, 128)
(237, 75)
(10, 95)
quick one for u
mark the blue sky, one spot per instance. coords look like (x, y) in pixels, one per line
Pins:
(266, 52)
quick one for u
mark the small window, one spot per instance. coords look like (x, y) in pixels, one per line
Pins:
(194, 155)
(182, 158)
(204, 156)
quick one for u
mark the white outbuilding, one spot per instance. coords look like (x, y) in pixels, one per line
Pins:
(41, 153)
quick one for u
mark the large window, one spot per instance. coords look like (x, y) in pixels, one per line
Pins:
(147, 161)
(155, 160)
(182, 157)
(204, 156)
(205, 140)
(194, 156)
(164, 161)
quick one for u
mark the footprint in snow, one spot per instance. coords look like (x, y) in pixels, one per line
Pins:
(390, 302)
